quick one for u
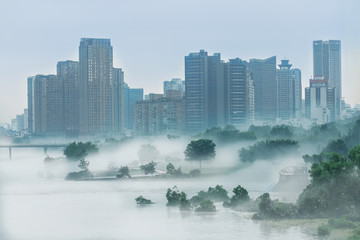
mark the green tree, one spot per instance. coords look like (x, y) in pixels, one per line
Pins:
(148, 168)
(142, 201)
(170, 169)
(174, 196)
(206, 206)
(83, 164)
(202, 149)
(336, 146)
(123, 172)
(241, 195)
(79, 150)
(281, 131)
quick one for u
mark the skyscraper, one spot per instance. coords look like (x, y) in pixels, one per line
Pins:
(240, 93)
(327, 63)
(69, 72)
(45, 105)
(96, 79)
(118, 100)
(285, 91)
(196, 91)
(265, 88)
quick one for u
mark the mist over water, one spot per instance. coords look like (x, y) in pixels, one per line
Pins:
(37, 203)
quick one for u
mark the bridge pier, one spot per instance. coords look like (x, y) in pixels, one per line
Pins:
(10, 153)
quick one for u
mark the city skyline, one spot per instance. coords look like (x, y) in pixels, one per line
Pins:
(147, 54)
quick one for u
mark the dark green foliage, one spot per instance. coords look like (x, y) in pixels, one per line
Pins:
(83, 164)
(341, 223)
(206, 206)
(323, 230)
(335, 185)
(273, 209)
(185, 204)
(260, 131)
(267, 149)
(142, 201)
(356, 235)
(123, 172)
(354, 155)
(325, 131)
(217, 194)
(195, 173)
(228, 134)
(174, 196)
(148, 168)
(82, 175)
(198, 150)
(196, 200)
(336, 146)
(79, 150)
(240, 196)
(171, 170)
(353, 137)
(281, 131)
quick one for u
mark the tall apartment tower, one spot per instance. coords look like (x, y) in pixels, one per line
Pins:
(118, 100)
(96, 79)
(239, 93)
(69, 72)
(285, 91)
(296, 73)
(265, 88)
(196, 91)
(204, 91)
(45, 105)
(327, 63)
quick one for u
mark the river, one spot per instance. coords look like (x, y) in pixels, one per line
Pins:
(38, 208)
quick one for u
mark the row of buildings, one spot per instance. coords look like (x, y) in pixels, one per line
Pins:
(89, 97)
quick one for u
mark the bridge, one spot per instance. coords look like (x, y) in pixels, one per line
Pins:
(44, 146)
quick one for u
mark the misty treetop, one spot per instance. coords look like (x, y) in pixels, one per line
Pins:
(228, 134)
(148, 153)
(148, 168)
(198, 150)
(79, 150)
(267, 149)
(123, 172)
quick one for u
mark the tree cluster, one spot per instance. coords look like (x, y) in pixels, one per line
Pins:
(267, 149)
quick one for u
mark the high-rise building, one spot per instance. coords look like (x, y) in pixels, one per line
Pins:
(296, 73)
(131, 96)
(96, 79)
(205, 83)
(327, 63)
(285, 91)
(175, 84)
(320, 100)
(263, 73)
(240, 93)
(45, 105)
(118, 100)
(69, 72)
(196, 91)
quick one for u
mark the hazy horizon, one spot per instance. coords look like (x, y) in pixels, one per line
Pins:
(150, 39)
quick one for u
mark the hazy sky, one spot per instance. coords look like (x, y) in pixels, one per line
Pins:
(151, 38)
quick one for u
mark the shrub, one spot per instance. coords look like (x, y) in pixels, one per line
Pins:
(323, 230)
